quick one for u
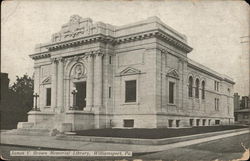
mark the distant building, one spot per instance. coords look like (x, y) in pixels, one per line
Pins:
(236, 101)
(242, 109)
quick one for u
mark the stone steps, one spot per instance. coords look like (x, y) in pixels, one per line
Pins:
(51, 123)
(45, 128)
(30, 132)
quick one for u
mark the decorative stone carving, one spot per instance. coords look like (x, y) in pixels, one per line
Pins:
(54, 60)
(173, 73)
(79, 71)
(129, 71)
(76, 27)
(47, 80)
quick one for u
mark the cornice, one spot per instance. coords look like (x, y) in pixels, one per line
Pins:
(173, 41)
(119, 40)
(210, 73)
(204, 71)
(40, 55)
(79, 41)
(229, 81)
(154, 33)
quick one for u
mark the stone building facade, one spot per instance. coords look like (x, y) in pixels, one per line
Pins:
(95, 75)
(241, 109)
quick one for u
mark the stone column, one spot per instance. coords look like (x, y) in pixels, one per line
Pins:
(60, 96)
(90, 79)
(99, 80)
(53, 83)
(98, 88)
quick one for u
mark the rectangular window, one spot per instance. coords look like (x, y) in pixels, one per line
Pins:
(130, 91)
(216, 85)
(109, 92)
(171, 92)
(218, 104)
(209, 122)
(128, 123)
(110, 59)
(48, 96)
(217, 122)
(170, 123)
(215, 104)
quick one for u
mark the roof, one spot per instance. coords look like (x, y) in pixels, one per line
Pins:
(204, 69)
(80, 30)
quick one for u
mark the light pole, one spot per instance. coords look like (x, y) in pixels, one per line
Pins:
(74, 107)
(36, 96)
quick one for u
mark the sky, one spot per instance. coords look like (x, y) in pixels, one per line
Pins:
(213, 29)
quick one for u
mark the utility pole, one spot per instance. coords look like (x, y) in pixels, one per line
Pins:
(246, 48)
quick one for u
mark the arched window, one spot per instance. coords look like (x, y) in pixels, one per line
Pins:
(190, 86)
(203, 89)
(197, 86)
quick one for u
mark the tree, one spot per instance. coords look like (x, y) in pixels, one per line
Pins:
(22, 92)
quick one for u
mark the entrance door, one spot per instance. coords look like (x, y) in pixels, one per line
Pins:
(81, 95)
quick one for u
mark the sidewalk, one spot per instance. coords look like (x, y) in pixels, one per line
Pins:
(51, 142)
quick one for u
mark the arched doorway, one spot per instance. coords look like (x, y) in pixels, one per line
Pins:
(77, 86)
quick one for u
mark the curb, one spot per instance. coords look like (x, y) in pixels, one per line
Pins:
(144, 141)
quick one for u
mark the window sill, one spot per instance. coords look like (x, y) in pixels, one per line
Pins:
(47, 106)
(171, 104)
(130, 103)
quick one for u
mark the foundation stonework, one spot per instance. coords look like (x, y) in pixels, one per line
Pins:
(106, 58)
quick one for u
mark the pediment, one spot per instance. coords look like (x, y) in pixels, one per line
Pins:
(130, 71)
(173, 73)
(47, 80)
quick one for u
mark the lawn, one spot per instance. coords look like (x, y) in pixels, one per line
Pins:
(154, 133)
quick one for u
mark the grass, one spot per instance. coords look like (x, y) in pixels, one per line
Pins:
(154, 133)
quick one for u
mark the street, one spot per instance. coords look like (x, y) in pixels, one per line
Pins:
(224, 149)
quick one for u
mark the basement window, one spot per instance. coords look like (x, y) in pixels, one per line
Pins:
(204, 122)
(191, 122)
(128, 123)
(170, 123)
(217, 122)
(197, 122)
(177, 123)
